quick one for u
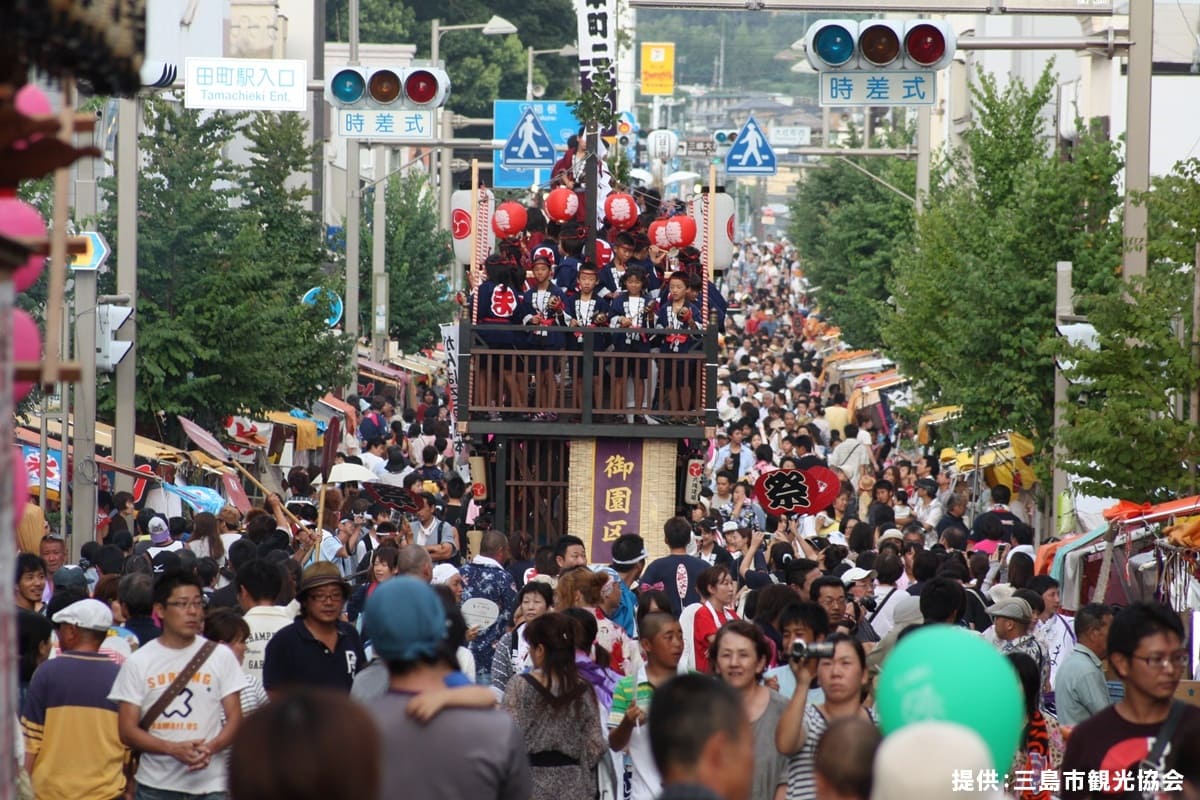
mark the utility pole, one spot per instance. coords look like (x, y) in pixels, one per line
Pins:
(353, 203)
(445, 156)
(1064, 310)
(924, 145)
(1137, 133)
(124, 424)
(379, 277)
(83, 481)
(318, 117)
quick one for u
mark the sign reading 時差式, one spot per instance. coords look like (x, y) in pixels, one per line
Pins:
(250, 84)
(901, 88)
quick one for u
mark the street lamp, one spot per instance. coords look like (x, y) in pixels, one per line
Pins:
(565, 51)
(496, 26)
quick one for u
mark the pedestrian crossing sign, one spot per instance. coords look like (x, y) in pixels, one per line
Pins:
(529, 146)
(750, 153)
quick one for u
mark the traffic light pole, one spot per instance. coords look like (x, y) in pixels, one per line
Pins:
(380, 311)
(83, 476)
(124, 423)
(353, 204)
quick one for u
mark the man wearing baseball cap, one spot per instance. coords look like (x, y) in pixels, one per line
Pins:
(406, 623)
(1013, 623)
(318, 649)
(72, 745)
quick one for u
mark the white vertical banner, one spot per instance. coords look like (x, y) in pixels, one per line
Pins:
(449, 332)
(597, 43)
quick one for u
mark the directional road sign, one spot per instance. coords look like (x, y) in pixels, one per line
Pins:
(529, 144)
(751, 153)
(96, 254)
(557, 118)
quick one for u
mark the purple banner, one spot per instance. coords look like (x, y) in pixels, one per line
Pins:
(616, 495)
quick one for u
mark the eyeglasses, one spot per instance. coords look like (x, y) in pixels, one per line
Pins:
(1177, 660)
(187, 605)
(326, 597)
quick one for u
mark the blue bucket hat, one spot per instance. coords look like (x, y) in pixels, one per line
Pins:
(405, 620)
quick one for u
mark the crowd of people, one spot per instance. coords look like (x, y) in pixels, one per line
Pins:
(276, 653)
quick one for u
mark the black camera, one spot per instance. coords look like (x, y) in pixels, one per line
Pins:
(802, 650)
(869, 603)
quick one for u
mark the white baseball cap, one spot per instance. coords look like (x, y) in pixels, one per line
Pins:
(89, 614)
(856, 574)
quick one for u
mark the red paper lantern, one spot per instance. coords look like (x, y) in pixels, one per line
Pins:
(30, 101)
(562, 204)
(621, 210)
(604, 252)
(681, 231)
(510, 219)
(20, 220)
(657, 233)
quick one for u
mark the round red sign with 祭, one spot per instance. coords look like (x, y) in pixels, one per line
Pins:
(604, 252)
(460, 223)
(797, 491)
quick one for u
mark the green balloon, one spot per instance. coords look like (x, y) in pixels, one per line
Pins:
(947, 673)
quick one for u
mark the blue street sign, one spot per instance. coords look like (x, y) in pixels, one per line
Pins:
(751, 153)
(529, 145)
(558, 122)
(96, 254)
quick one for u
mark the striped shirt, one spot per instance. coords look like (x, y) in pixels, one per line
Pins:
(801, 782)
(70, 725)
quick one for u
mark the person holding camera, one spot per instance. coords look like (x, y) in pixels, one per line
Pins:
(840, 666)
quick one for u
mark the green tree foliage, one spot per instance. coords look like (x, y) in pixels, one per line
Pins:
(1126, 423)
(849, 230)
(417, 256)
(1125, 430)
(220, 328)
(379, 22)
(974, 295)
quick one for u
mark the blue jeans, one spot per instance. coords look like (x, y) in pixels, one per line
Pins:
(151, 793)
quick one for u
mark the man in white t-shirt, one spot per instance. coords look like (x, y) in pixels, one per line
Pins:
(180, 749)
(374, 456)
(259, 583)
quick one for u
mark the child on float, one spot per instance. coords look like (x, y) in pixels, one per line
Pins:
(542, 307)
(588, 310)
(632, 308)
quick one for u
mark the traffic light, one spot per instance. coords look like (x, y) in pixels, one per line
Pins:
(109, 351)
(387, 87)
(725, 137)
(624, 133)
(842, 44)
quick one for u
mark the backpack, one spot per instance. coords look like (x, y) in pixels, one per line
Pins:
(372, 426)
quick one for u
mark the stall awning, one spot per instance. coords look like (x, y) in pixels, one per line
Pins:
(935, 416)
(307, 437)
(143, 447)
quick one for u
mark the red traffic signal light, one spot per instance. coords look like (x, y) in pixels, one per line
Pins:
(925, 44)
